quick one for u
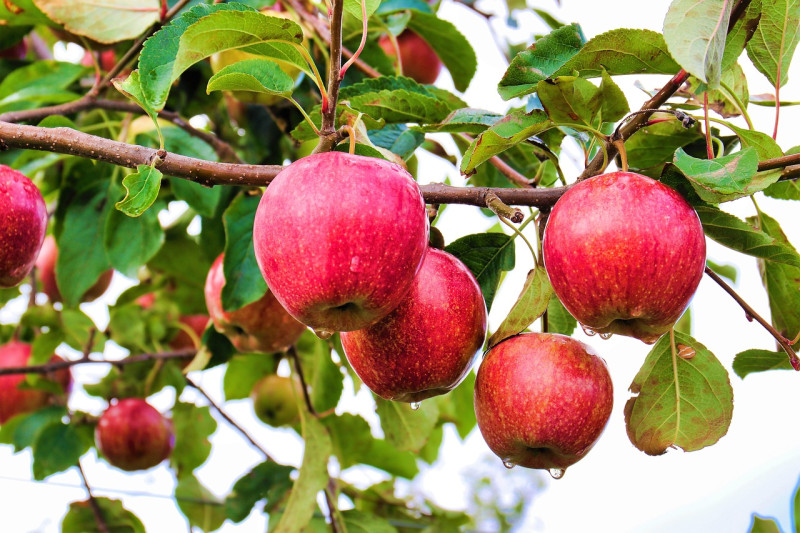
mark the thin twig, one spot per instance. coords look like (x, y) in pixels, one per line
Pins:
(59, 365)
(784, 342)
(299, 371)
(330, 101)
(333, 512)
(229, 420)
(98, 513)
(87, 349)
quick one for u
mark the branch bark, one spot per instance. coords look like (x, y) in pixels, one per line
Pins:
(58, 365)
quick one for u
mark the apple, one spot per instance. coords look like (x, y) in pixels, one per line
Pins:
(15, 400)
(275, 400)
(183, 341)
(625, 254)
(46, 274)
(339, 239)
(261, 326)
(133, 435)
(107, 59)
(18, 51)
(23, 222)
(542, 400)
(417, 58)
(427, 345)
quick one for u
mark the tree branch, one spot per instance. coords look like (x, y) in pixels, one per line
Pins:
(58, 365)
(98, 513)
(299, 371)
(328, 130)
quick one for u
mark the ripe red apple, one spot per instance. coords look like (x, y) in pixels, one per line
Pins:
(426, 345)
(625, 254)
(23, 222)
(261, 326)
(275, 400)
(14, 400)
(133, 435)
(18, 51)
(46, 274)
(417, 58)
(542, 400)
(339, 239)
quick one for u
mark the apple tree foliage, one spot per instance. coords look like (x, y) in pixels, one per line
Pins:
(561, 90)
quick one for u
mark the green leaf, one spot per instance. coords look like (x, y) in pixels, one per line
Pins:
(58, 447)
(81, 519)
(558, 318)
(695, 34)
(721, 179)
(457, 406)
(509, 131)
(354, 444)
(487, 255)
(243, 371)
(569, 100)
(267, 481)
(750, 361)
(22, 13)
(321, 373)
(764, 525)
(38, 84)
(312, 479)
(738, 235)
(244, 283)
(772, 46)
(726, 271)
(198, 504)
(130, 242)
(782, 283)
(785, 190)
(132, 88)
(466, 120)
(678, 401)
(142, 190)
(398, 139)
(82, 257)
(656, 144)
(796, 510)
(740, 34)
(193, 425)
(406, 428)
(540, 61)
(29, 426)
(450, 45)
(621, 51)
(361, 522)
(612, 102)
(254, 75)
(202, 199)
(110, 21)
(353, 7)
(530, 305)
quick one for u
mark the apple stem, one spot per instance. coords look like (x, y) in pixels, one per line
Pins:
(500, 209)
(360, 46)
(299, 371)
(783, 341)
(351, 132)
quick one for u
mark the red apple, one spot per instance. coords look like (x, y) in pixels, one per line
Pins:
(275, 400)
(18, 51)
(542, 400)
(625, 254)
(339, 239)
(46, 274)
(14, 400)
(183, 341)
(426, 345)
(133, 435)
(417, 58)
(23, 222)
(261, 326)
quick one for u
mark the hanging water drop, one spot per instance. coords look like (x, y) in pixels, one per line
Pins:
(605, 336)
(415, 405)
(508, 464)
(324, 333)
(588, 331)
(557, 473)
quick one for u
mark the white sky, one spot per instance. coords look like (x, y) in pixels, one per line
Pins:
(616, 487)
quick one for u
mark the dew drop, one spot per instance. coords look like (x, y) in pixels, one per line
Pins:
(324, 333)
(605, 336)
(415, 406)
(354, 264)
(508, 464)
(588, 331)
(557, 473)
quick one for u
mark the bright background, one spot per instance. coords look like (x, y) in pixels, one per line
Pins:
(754, 468)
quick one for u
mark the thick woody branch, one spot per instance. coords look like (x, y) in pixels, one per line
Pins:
(334, 68)
(59, 365)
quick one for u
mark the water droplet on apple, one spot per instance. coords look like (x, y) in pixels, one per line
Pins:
(324, 333)
(354, 264)
(415, 405)
(508, 464)
(557, 473)
(605, 336)
(588, 331)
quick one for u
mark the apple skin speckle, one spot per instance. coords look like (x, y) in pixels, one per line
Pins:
(427, 345)
(320, 214)
(625, 254)
(23, 222)
(542, 400)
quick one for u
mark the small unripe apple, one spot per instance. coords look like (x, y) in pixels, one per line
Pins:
(275, 400)
(542, 400)
(46, 274)
(426, 345)
(133, 435)
(261, 326)
(339, 239)
(18, 51)
(14, 400)
(23, 222)
(625, 254)
(417, 58)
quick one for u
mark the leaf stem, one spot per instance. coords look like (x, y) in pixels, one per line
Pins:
(299, 371)
(305, 115)
(357, 53)
(709, 147)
